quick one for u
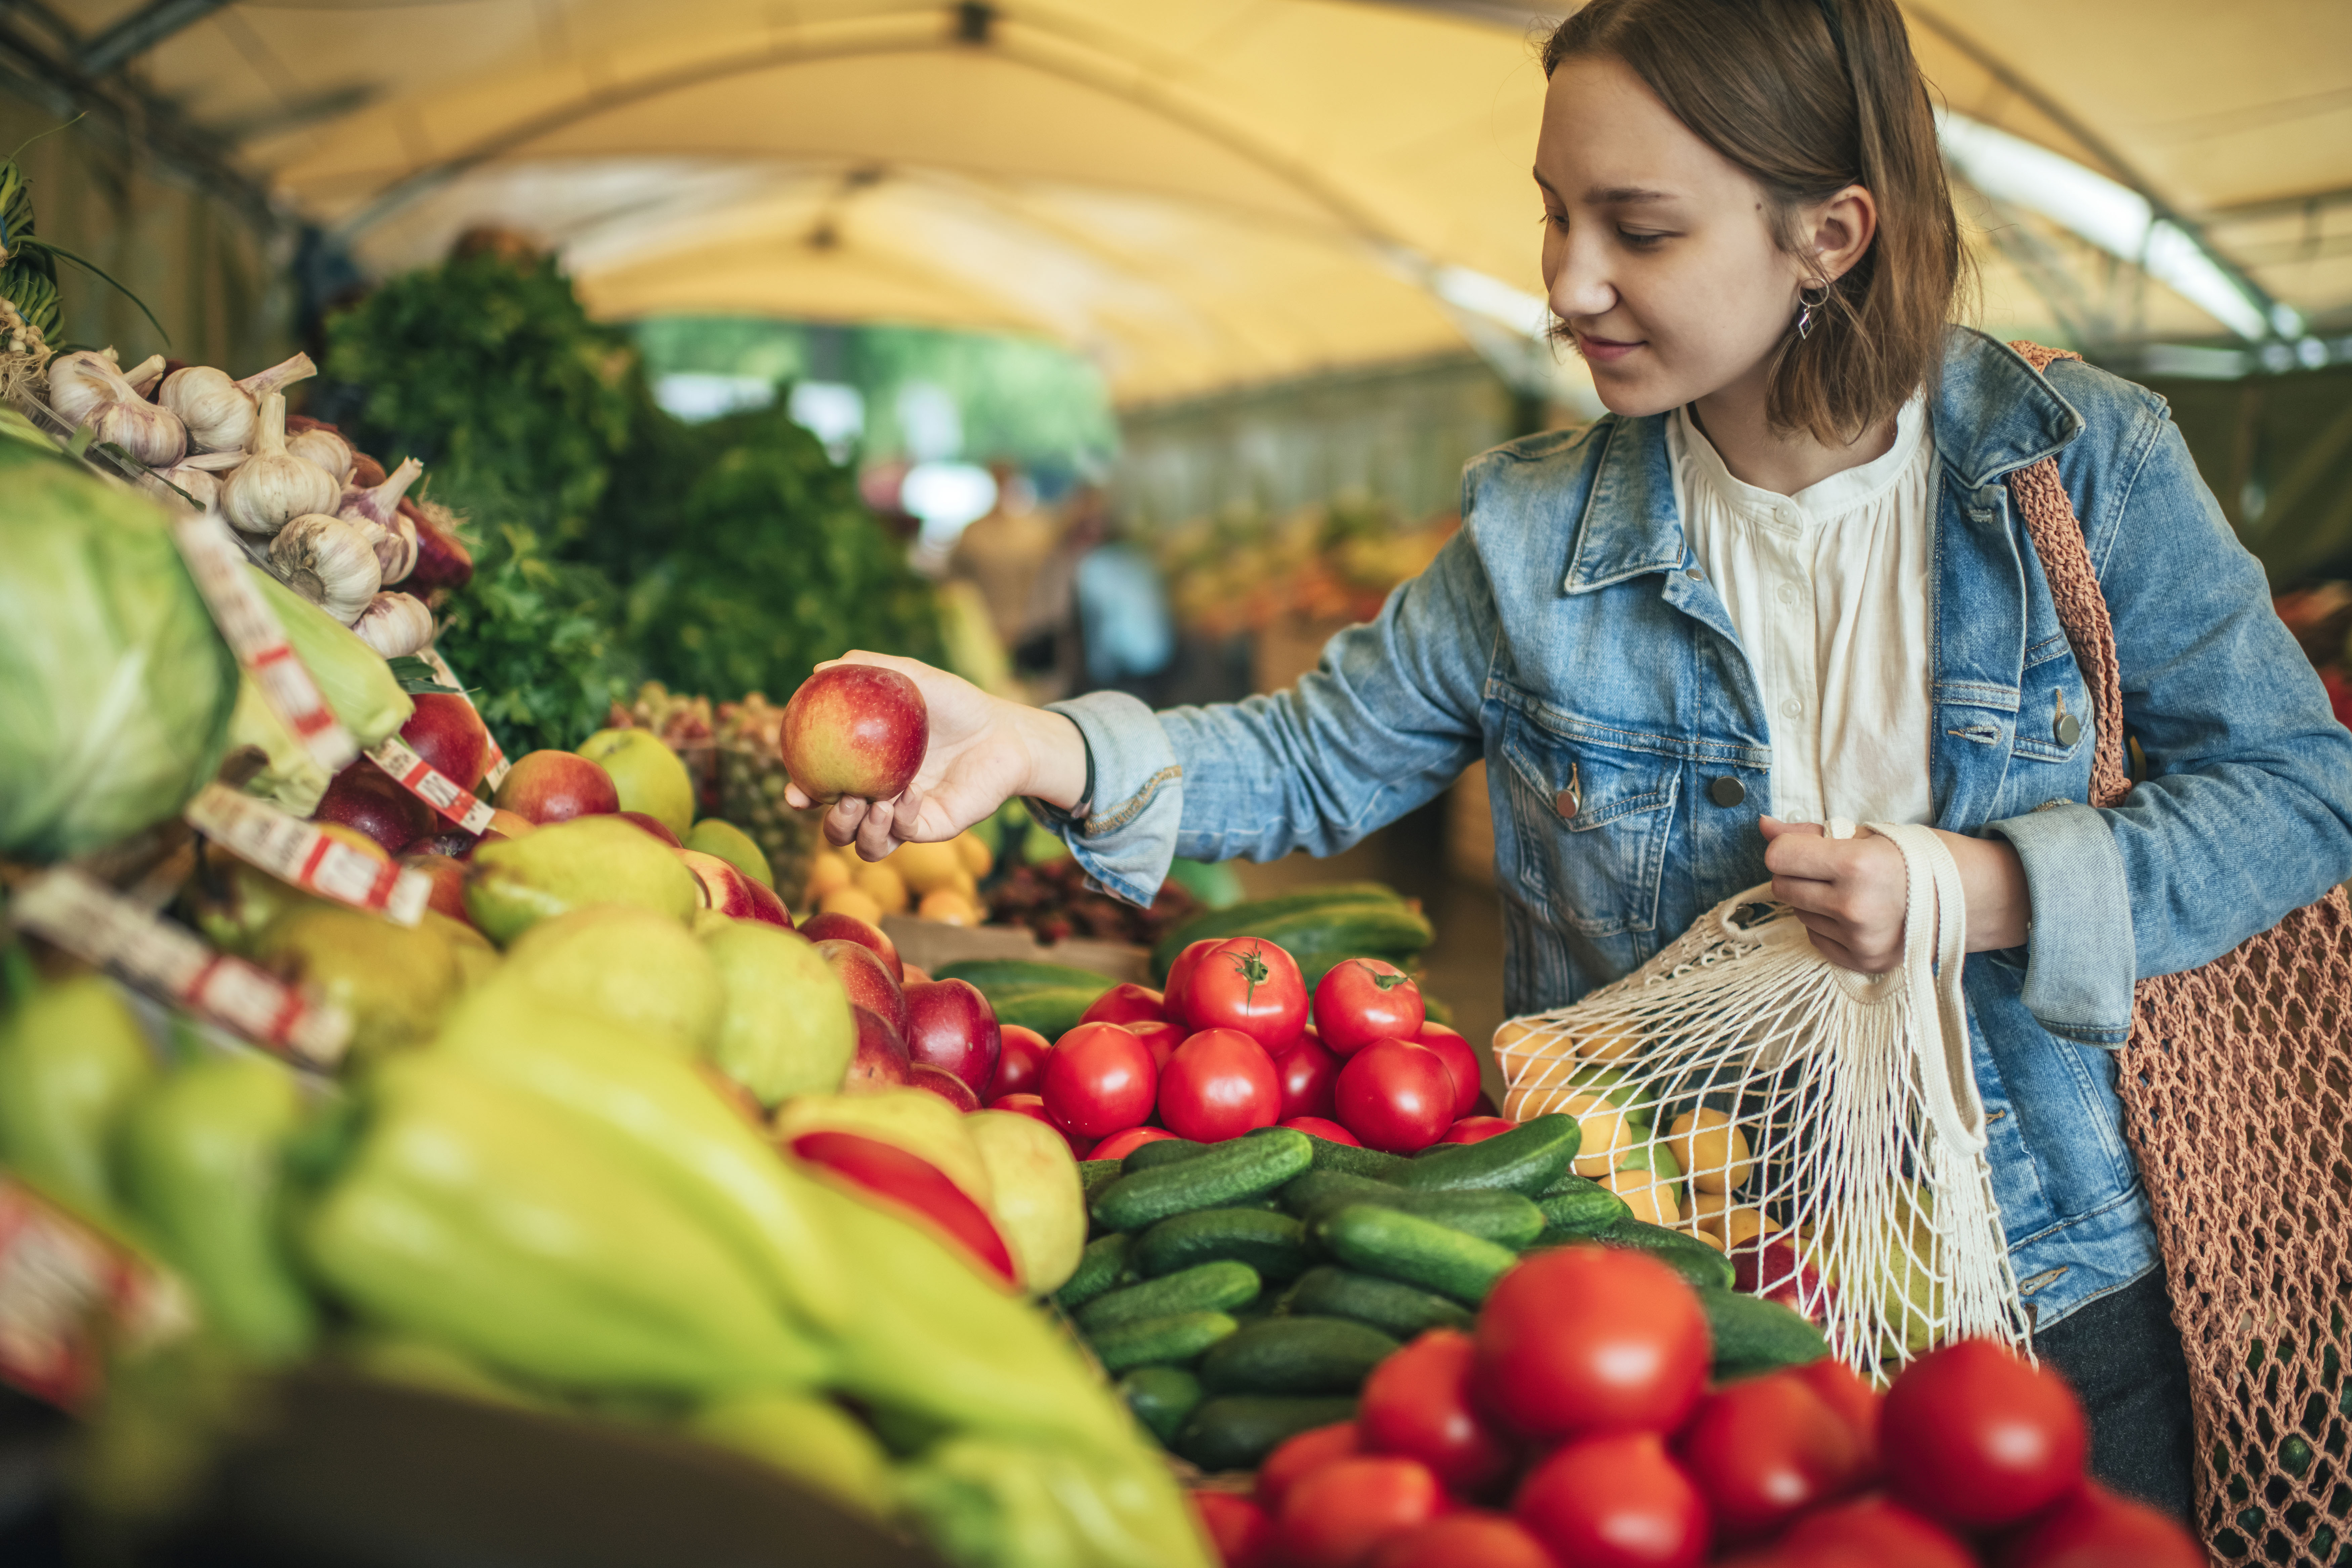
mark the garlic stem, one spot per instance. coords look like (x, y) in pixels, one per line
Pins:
(382, 504)
(263, 382)
(273, 487)
(143, 374)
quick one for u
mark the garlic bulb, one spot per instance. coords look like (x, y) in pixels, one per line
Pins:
(101, 396)
(221, 414)
(273, 487)
(79, 381)
(325, 560)
(201, 486)
(325, 449)
(382, 504)
(395, 625)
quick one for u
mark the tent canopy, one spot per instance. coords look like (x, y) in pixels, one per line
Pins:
(1202, 194)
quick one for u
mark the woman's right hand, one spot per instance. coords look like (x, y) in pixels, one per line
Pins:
(983, 751)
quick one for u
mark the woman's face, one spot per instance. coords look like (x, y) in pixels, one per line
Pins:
(1658, 251)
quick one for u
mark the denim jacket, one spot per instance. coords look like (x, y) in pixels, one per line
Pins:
(1566, 635)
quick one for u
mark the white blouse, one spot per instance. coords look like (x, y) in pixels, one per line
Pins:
(1828, 592)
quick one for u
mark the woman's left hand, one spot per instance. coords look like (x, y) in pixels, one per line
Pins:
(1851, 892)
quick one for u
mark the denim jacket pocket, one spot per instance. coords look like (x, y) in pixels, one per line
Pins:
(2054, 722)
(1591, 822)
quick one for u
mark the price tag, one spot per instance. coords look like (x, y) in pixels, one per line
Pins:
(254, 635)
(495, 773)
(88, 919)
(297, 852)
(429, 784)
(68, 1294)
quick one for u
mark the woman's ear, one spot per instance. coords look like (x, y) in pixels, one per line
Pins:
(1840, 231)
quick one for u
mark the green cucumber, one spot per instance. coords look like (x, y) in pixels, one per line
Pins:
(1497, 1216)
(1226, 1173)
(1008, 974)
(1388, 1305)
(1271, 1243)
(1692, 1258)
(1526, 1160)
(1578, 1205)
(1352, 1160)
(1162, 1397)
(1752, 1335)
(1297, 1355)
(1052, 1011)
(1218, 1287)
(1094, 1175)
(1161, 1152)
(1416, 1251)
(1172, 1341)
(1236, 1432)
(1244, 918)
(1102, 1266)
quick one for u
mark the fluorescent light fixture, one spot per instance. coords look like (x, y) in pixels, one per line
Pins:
(2115, 217)
(1467, 289)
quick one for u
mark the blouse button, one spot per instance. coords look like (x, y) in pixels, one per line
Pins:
(1726, 792)
(1788, 595)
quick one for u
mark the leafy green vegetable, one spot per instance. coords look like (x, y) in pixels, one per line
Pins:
(538, 642)
(115, 688)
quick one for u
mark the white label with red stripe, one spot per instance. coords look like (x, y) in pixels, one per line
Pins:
(297, 852)
(68, 1294)
(429, 784)
(253, 633)
(88, 919)
(494, 771)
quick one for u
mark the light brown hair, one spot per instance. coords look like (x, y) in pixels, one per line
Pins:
(1808, 97)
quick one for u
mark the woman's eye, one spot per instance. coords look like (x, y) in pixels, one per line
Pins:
(1639, 239)
(1555, 220)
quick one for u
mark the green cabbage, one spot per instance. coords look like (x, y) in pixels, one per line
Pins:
(115, 688)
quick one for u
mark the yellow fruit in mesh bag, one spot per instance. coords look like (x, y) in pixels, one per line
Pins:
(1611, 1042)
(1603, 1134)
(1711, 1149)
(1650, 1198)
(1515, 1030)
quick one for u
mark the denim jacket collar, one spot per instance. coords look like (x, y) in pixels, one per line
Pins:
(1991, 415)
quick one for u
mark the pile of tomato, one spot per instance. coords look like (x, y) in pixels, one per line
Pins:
(1237, 1043)
(1574, 1428)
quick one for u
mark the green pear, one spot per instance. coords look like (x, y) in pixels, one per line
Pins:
(476, 959)
(638, 969)
(810, 1439)
(511, 883)
(648, 773)
(731, 844)
(787, 1027)
(72, 1061)
(393, 980)
(1041, 1207)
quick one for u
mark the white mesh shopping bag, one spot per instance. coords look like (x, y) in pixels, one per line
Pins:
(1823, 1126)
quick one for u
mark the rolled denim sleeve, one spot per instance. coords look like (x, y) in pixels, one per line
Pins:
(1386, 721)
(2246, 812)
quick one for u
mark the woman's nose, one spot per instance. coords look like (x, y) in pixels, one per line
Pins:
(1580, 287)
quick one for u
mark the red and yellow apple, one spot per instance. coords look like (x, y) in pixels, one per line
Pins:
(856, 730)
(448, 734)
(547, 786)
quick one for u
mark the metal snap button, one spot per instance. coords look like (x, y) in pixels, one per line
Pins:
(1726, 792)
(1695, 574)
(2069, 728)
(1565, 803)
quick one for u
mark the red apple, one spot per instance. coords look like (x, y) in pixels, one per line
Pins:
(447, 733)
(823, 926)
(868, 984)
(950, 1026)
(448, 876)
(651, 824)
(556, 786)
(729, 891)
(1020, 1061)
(855, 729)
(944, 1084)
(767, 906)
(881, 1059)
(366, 798)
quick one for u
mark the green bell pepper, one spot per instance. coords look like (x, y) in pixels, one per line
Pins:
(72, 1059)
(199, 1160)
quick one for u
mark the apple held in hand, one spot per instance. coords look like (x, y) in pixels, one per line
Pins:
(555, 786)
(855, 729)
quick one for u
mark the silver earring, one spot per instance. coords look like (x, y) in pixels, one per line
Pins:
(1805, 311)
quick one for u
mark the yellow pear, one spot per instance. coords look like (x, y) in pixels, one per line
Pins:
(634, 967)
(786, 1027)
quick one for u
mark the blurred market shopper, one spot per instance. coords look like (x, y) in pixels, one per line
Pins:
(1783, 582)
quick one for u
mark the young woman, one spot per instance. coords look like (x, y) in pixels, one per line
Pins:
(1782, 581)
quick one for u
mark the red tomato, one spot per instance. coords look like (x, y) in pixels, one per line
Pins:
(1019, 1062)
(1417, 1404)
(1360, 1000)
(1034, 1107)
(1119, 1145)
(1395, 1096)
(1316, 1127)
(1578, 1340)
(1300, 1454)
(1472, 1538)
(1869, 1532)
(1126, 1004)
(1249, 984)
(2097, 1529)
(1335, 1516)
(1179, 976)
(1099, 1080)
(1765, 1449)
(1240, 1529)
(1220, 1084)
(1614, 1501)
(1840, 1388)
(1461, 1062)
(1159, 1036)
(1307, 1072)
(1477, 1128)
(1973, 1435)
